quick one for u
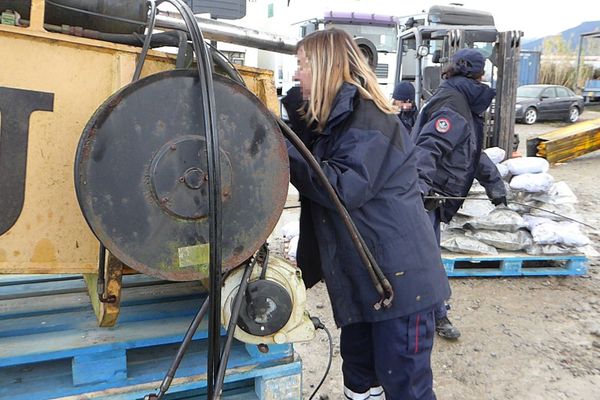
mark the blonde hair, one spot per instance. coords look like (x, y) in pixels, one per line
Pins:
(335, 58)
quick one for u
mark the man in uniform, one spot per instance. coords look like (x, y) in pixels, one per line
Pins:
(404, 99)
(449, 138)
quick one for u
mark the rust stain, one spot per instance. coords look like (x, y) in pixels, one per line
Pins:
(2, 255)
(44, 251)
(39, 218)
(50, 214)
(28, 226)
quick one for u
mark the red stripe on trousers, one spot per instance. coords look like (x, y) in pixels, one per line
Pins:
(417, 335)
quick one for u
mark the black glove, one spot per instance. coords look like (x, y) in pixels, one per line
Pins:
(499, 200)
(432, 201)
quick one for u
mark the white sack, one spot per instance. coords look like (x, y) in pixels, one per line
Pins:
(527, 165)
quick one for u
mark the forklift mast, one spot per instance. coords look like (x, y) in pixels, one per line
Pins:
(424, 51)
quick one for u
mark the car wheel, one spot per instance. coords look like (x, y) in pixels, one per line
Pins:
(530, 116)
(573, 114)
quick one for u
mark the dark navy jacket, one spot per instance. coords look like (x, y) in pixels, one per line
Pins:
(449, 138)
(368, 158)
(408, 118)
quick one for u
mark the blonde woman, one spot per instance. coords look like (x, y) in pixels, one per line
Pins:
(366, 154)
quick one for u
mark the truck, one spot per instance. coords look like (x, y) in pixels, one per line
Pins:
(376, 35)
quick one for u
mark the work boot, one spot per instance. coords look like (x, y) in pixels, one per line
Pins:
(445, 329)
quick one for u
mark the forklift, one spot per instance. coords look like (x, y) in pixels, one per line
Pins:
(425, 50)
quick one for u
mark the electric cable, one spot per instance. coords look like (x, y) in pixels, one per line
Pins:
(440, 197)
(319, 325)
(96, 14)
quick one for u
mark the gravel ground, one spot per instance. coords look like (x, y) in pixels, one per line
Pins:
(523, 338)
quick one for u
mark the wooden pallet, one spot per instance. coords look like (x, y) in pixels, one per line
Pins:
(513, 264)
(51, 347)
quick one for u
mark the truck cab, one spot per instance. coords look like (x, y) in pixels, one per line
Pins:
(375, 34)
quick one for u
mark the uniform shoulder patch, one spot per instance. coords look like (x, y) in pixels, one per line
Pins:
(442, 125)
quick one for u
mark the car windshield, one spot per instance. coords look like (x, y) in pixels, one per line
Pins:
(529, 91)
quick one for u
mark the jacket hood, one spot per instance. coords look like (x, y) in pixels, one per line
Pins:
(478, 95)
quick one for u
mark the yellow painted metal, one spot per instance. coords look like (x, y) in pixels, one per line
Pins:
(51, 235)
(569, 142)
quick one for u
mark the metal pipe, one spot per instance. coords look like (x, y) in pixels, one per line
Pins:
(224, 32)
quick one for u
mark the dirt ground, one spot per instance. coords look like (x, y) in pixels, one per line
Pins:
(524, 338)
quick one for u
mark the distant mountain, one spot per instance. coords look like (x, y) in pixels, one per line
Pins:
(571, 36)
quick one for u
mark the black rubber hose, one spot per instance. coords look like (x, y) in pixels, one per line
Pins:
(222, 61)
(381, 283)
(187, 339)
(214, 198)
(96, 14)
(235, 313)
(149, 29)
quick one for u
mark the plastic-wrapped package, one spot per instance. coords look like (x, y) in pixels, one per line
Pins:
(549, 249)
(500, 219)
(476, 208)
(459, 243)
(512, 241)
(458, 222)
(510, 194)
(559, 193)
(503, 170)
(532, 221)
(476, 189)
(496, 154)
(541, 182)
(291, 229)
(527, 165)
(564, 233)
(291, 254)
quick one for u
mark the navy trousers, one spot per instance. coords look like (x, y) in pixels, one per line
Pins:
(441, 310)
(394, 354)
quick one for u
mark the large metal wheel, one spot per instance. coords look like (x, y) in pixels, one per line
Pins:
(141, 174)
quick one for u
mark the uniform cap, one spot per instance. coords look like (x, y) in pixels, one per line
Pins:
(468, 62)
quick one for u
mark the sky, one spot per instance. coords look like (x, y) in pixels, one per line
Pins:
(536, 18)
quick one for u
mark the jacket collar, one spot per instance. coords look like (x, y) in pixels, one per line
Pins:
(478, 95)
(343, 105)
